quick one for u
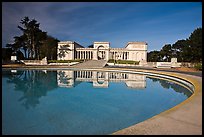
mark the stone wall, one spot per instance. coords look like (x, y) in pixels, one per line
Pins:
(35, 62)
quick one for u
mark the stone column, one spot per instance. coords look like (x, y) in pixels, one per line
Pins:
(107, 54)
(95, 55)
(84, 54)
(145, 56)
(91, 55)
(71, 56)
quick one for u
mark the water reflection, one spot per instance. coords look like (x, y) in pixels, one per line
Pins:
(36, 83)
(33, 84)
(168, 84)
(99, 79)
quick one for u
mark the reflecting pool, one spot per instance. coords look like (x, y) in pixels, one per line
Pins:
(82, 102)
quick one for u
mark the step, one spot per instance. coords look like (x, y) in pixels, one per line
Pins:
(91, 64)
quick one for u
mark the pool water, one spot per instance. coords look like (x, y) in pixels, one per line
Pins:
(62, 102)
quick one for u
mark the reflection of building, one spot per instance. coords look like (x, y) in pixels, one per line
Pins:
(68, 50)
(70, 78)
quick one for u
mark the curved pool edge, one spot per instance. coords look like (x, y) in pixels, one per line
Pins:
(183, 119)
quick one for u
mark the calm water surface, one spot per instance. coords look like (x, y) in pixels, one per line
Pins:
(82, 102)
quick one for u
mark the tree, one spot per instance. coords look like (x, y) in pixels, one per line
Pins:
(91, 46)
(41, 38)
(154, 56)
(24, 44)
(189, 50)
(26, 35)
(166, 52)
(15, 46)
(6, 54)
(195, 43)
(49, 48)
(180, 50)
(33, 35)
(35, 43)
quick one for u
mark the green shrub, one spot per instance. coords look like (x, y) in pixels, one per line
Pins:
(57, 61)
(198, 66)
(111, 61)
(123, 62)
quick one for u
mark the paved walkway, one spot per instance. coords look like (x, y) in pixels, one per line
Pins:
(91, 64)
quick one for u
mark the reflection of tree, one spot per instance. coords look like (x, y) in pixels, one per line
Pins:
(34, 84)
(63, 78)
(181, 89)
(154, 79)
(166, 84)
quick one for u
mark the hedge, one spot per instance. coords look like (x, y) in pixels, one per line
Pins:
(198, 66)
(123, 62)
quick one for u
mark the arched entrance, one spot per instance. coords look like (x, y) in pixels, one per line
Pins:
(101, 54)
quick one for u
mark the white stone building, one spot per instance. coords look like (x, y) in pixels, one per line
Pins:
(136, 51)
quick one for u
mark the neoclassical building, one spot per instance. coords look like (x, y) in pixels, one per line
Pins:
(68, 50)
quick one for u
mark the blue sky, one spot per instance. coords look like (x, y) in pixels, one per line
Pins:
(157, 23)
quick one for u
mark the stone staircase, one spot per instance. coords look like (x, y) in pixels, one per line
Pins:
(91, 64)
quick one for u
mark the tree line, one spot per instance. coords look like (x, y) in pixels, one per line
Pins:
(188, 50)
(34, 42)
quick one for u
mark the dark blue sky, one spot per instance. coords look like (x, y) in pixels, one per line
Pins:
(156, 23)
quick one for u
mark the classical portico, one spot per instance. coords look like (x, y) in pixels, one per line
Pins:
(68, 50)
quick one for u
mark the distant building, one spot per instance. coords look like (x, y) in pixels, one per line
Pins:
(68, 50)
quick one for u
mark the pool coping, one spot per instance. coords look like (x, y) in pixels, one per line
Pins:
(183, 119)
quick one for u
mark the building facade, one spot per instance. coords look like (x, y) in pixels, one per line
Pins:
(68, 50)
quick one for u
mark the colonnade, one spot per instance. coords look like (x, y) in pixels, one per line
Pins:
(111, 75)
(83, 55)
(83, 74)
(123, 55)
